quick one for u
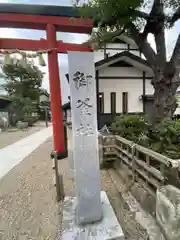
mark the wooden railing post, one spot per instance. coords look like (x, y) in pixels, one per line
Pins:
(144, 165)
(58, 180)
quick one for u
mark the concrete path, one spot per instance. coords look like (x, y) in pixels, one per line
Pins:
(13, 135)
(13, 154)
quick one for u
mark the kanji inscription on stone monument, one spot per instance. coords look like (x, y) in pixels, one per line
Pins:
(85, 139)
(81, 80)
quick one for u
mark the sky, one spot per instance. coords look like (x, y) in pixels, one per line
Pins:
(171, 37)
(36, 35)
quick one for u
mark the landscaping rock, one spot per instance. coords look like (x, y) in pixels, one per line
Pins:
(22, 125)
(168, 211)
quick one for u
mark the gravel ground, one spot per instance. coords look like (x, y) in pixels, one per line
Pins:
(28, 207)
(13, 135)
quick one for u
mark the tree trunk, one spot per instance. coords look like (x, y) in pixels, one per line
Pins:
(164, 100)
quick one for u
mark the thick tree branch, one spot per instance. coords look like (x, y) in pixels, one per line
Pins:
(175, 17)
(149, 24)
(140, 14)
(155, 25)
(160, 46)
(175, 59)
(159, 32)
(143, 45)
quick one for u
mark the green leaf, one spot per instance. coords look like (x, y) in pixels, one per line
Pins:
(23, 82)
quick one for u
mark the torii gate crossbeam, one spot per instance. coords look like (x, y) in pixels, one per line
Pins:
(51, 19)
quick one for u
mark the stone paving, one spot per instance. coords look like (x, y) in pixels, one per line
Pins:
(12, 135)
(13, 154)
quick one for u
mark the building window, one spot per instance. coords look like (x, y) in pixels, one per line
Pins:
(113, 102)
(125, 102)
(101, 102)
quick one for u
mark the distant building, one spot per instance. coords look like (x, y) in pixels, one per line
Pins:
(44, 104)
(4, 108)
(2, 78)
(2, 81)
(44, 96)
(1, 59)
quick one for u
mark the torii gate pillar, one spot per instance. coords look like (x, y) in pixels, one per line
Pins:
(55, 91)
(51, 19)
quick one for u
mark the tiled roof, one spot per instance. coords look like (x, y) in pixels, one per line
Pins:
(120, 55)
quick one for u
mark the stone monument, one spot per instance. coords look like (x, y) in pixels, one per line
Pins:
(89, 215)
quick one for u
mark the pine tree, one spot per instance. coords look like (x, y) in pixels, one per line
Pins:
(23, 82)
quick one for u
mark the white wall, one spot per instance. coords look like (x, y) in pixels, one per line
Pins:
(120, 71)
(112, 52)
(98, 55)
(136, 52)
(178, 108)
(114, 48)
(134, 87)
(117, 45)
(149, 89)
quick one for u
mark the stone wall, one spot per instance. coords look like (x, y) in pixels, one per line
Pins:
(168, 211)
(166, 198)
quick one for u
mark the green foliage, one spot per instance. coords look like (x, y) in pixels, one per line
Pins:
(31, 120)
(131, 127)
(171, 4)
(23, 82)
(111, 12)
(138, 18)
(165, 139)
(112, 18)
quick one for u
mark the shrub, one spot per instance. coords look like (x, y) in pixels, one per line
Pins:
(132, 127)
(31, 120)
(165, 139)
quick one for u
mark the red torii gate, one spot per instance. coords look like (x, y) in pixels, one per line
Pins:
(51, 19)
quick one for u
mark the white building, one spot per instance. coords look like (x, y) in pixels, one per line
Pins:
(123, 80)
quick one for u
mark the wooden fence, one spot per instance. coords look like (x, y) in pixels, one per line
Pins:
(149, 168)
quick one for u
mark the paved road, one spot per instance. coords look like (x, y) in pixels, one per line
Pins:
(13, 154)
(13, 135)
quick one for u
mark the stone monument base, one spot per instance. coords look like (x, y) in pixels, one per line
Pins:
(107, 229)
